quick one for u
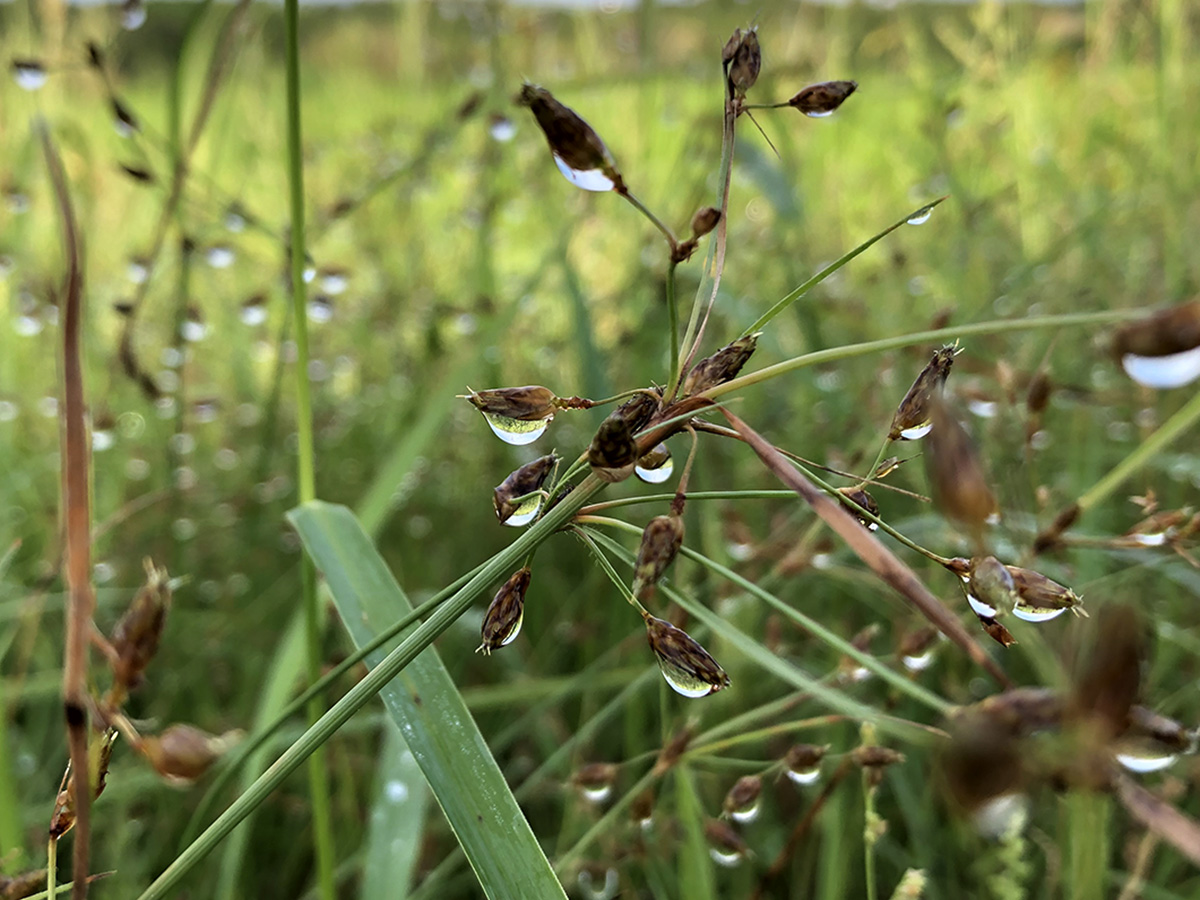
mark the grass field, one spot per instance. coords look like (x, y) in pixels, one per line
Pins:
(449, 253)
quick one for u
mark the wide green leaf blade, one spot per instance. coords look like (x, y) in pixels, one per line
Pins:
(430, 712)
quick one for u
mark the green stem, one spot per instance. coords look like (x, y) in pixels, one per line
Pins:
(887, 443)
(849, 351)
(318, 779)
(1167, 432)
(673, 322)
(644, 210)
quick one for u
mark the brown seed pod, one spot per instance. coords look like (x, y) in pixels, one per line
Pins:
(572, 140)
(136, 635)
(1162, 350)
(741, 803)
(100, 747)
(183, 753)
(639, 409)
(916, 648)
(1038, 395)
(725, 843)
(997, 632)
(722, 366)
(802, 763)
(705, 220)
(686, 666)
(530, 403)
(506, 612)
(914, 417)
(861, 498)
(742, 58)
(1039, 598)
(661, 540)
(1109, 684)
(613, 452)
(960, 488)
(819, 100)
(527, 480)
(991, 590)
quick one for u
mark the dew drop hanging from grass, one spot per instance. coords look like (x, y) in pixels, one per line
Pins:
(1162, 372)
(656, 466)
(29, 75)
(517, 432)
(589, 180)
(921, 216)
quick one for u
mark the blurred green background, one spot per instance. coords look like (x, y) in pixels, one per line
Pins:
(447, 251)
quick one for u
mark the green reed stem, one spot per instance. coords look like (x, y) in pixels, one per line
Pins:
(1166, 433)
(849, 351)
(318, 779)
(887, 443)
(655, 220)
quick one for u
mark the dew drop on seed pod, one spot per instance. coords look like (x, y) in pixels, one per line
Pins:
(334, 281)
(29, 74)
(982, 609)
(310, 272)
(1032, 613)
(220, 256)
(137, 271)
(820, 114)
(919, 662)
(1001, 815)
(595, 887)
(254, 311)
(1142, 761)
(526, 512)
(656, 466)
(596, 794)
(502, 129)
(517, 432)
(804, 776)
(235, 220)
(1162, 372)
(590, 180)
(921, 216)
(102, 440)
(722, 857)
(320, 309)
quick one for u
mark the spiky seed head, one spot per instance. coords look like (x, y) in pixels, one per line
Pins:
(639, 409)
(742, 58)
(824, 98)
(571, 139)
(136, 635)
(1037, 592)
(914, 415)
(613, 452)
(506, 612)
(721, 367)
(687, 667)
(530, 403)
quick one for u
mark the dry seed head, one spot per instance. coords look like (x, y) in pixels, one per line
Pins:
(1038, 395)
(991, 587)
(530, 403)
(502, 621)
(524, 481)
(183, 753)
(914, 416)
(960, 488)
(1162, 350)
(613, 452)
(136, 635)
(742, 58)
(725, 844)
(661, 540)
(861, 498)
(1040, 598)
(100, 747)
(595, 781)
(704, 221)
(742, 799)
(571, 139)
(722, 366)
(803, 757)
(997, 632)
(687, 667)
(823, 99)
(639, 409)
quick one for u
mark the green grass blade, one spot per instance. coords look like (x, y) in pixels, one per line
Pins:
(431, 714)
(397, 820)
(807, 286)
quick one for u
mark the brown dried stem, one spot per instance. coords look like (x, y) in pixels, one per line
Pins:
(76, 504)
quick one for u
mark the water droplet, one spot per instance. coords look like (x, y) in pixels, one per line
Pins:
(517, 432)
(396, 791)
(137, 271)
(1143, 761)
(164, 407)
(985, 409)
(723, 858)
(48, 407)
(1002, 815)
(334, 281)
(746, 815)
(594, 889)
(253, 311)
(1156, 539)
(172, 357)
(137, 469)
(310, 272)
(688, 687)
(597, 794)
(183, 529)
(918, 663)
(219, 256)
(526, 512)
(28, 326)
(823, 114)
(739, 551)
(17, 202)
(917, 432)
(804, 776)
(8, 410)
(103, 572)
(1036, 614)
(102, 440)
(921, 216)
(193, 330)
(320, 309)
(591, 180)
(656, 466)
(235, 221)
(28, 74)
(133, 15)
(1171, 371)
(502, 129)
(981, 608)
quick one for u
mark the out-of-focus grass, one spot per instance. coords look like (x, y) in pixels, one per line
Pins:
(1066, 141)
